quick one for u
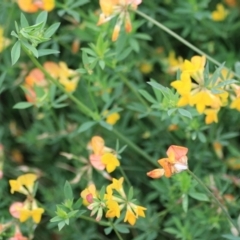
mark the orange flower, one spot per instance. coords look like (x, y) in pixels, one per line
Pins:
(32, 6)
(175, 163)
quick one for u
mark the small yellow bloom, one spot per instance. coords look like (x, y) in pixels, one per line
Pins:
(113, 118)
(113, 209)
(236, 104)
(88, 194)
(195, 65)
(202, 99)
(110, 161)
(184, 85)
(211, 116)
(130, 217)
(146, 67)
(36, 214)
(23, 184)
(220, 13)
(174, 63)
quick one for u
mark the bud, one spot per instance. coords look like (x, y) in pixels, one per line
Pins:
(156, 173)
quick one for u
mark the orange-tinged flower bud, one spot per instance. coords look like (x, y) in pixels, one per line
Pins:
(156, 173)
(128, 24)
(116, 32)
(106, 6)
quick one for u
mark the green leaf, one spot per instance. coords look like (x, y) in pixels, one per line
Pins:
(171, 111)
(198, 196)
(31, 48)
(72, 213)
(78, 203)
(147, 96)
(61, 225)
(15, 53)
(44, 52)
(230, 237)
(22, 105)
(68, 190)
(2, 77)
(106, 125)
(185, 113)
(42, 17)
(122, 228)
(51, 30)
(55, 219)
(130, 194)
(85, 126)
(101, 64)
(108, 230)
(23, 21)
(185, 202)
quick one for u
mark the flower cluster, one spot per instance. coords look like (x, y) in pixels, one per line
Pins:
(32, 6)
(102, 157)
(220, 13)
(36, 85)
(197, 89)
(120, 8)
(28, 209)
(176, 162)
(113, 202)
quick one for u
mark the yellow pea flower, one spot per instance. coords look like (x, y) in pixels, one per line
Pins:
(110, 161)
(113, 118)
(211, 116)
(236, 104)
(220, 13)
(4, 42)
(36, 214)
(32, 6)
(113, 209)
(184, 85)
(130, 217)
(88, 194)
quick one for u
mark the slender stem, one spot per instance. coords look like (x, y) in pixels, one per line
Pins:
(133, 146)
(125, 176)
(215, 199)
(185, 42)
(133, 89)
(103, 223)
(117, 233)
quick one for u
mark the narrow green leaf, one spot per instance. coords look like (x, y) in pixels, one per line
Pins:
(23, 21)
(15, 53)
(230, 237)
(31, 48)
(122, 228)
(130, 194)
(185, 113)
(61, 225)
(44, 52)
(185, 202)
(198, 196)
(106, 125)
(108, 230)
(68, 190)
(42, 17)
(22, 105)
(102, 64)
(85, 126)
(147, 96)
(55, 219)
(51, 30)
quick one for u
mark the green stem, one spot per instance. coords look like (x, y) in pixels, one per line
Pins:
(182, 40)
(103, 223)
(134, 147)
(117, 233)
(215, 199)
(133, 89)
(125, 176)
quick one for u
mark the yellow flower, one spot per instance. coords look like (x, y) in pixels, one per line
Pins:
(112, 118)
(236, 104)
(184, 85)
(174, 63)
(211, 116)
(195, 66)
(130, 217)
(23, 184)
(110, 161)
(68, 77)
(4, 42)
(113, 209)
(220, 13)
(88, 194)
(32, 6)
(36, 214)
(146, 67)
